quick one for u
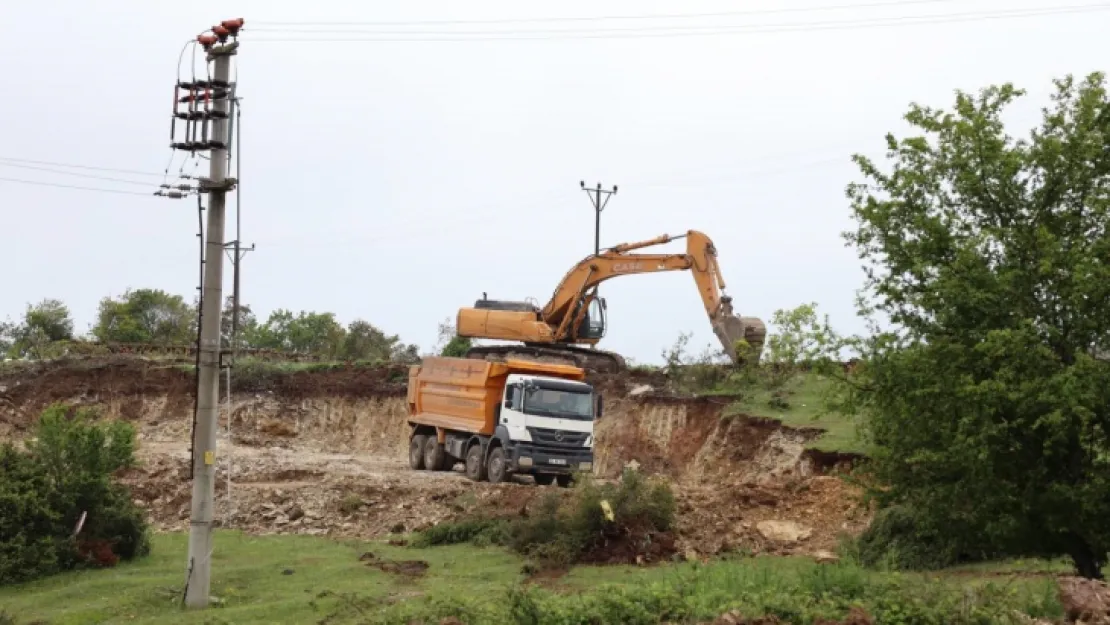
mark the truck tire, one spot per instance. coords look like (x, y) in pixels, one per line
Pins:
(497, 466)
(434, 455)
(475, 468)
(416, 451)
(544, 479)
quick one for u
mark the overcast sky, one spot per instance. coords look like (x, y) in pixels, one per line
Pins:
(396, 181)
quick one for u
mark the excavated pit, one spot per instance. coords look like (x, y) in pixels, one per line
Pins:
(324, 452)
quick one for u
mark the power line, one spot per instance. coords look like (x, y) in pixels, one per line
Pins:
(73, 166)
(70, 186)
(76, 174)
(684, 31)
(592, 18)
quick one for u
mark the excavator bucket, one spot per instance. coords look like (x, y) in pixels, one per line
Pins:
(730, 329)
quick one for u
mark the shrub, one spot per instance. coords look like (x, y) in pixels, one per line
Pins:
(898, 538)
(66, 472)
(560, 533)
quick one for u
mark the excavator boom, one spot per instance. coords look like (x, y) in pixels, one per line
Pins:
(575, 316)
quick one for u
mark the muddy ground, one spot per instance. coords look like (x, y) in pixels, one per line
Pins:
(324, 452)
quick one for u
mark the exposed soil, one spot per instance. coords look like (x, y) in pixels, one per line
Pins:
(324, 452)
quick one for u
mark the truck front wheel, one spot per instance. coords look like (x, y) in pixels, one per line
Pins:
(416, 451)
(498, 467)
(475, 468)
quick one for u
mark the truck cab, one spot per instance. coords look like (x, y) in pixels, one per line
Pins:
(546, 426)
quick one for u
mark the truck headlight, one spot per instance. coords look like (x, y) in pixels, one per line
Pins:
(524, 461)
(585, 466)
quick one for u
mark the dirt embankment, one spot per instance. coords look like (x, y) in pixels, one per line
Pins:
(324, 452)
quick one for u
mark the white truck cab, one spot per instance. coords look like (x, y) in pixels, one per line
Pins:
(546, 425)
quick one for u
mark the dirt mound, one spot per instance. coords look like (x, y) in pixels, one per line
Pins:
(1085, 601)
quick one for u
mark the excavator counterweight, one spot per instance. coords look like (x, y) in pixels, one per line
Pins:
(570, 325)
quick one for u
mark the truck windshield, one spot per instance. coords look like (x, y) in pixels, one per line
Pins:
(563, 404)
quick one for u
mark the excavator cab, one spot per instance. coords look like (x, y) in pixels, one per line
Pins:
(593, 325)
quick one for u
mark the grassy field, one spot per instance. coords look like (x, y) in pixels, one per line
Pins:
(805, 409)
(300, 579)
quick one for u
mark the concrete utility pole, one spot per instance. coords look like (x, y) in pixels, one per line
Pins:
(595, 199)
(217, 92)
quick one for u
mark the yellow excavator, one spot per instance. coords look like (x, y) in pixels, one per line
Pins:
(575, 315)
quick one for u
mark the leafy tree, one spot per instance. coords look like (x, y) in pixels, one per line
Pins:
(43, 323)
(248, 323)
(305, 332)
(366, 342)
(146, 316)
(801, 339)
(990, 257)
(449, 343)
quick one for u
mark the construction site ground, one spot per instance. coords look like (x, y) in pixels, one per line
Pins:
(316, 457)
(322, 451)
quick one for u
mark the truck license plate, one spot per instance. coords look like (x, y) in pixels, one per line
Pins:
(557, 461)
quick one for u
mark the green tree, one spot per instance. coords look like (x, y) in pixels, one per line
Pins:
(43, 323)
(366, 342)
(306, 332)
(146, 316)
(248, 323)
(449, 342)
(990, 256)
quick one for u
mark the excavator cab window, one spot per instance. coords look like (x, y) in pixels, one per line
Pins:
(593, 326)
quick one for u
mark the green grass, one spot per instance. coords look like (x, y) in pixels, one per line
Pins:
(805, 409)
(481, 585)
(249, 582)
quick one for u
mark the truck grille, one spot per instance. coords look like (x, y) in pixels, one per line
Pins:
(558, 438)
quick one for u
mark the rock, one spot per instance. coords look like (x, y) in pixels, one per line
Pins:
(825, 557)
(783, 531)
(640, 390)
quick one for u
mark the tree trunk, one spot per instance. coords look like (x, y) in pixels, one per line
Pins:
(1088, 561)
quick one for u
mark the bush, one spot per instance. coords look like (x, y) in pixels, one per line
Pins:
(560, 533)
(900, 539)
(66, 472)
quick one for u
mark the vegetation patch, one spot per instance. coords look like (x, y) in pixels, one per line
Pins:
(60, 509)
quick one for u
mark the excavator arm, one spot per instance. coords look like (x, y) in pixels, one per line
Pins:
(568, 305)
(562, 319)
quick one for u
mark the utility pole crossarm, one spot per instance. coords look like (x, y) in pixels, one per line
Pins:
(599, 206)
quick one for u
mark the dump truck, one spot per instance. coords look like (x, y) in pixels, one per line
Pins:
(568, 328)
(501, 418)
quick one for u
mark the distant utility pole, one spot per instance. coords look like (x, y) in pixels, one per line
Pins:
(595, 199)
(209, 105)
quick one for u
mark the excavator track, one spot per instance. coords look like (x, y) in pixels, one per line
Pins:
(588, 359)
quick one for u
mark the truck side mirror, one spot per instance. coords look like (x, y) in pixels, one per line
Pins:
(600, 404)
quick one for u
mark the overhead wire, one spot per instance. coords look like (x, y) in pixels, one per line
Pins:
(76, 174)
(266, 25)
(70, 186)
(677, 31)
(136, 172)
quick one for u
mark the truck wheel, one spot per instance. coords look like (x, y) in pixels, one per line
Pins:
(564, 480)
(416, 452)
(475, 468)
(544, 479)
(434, 455)
(498, 466)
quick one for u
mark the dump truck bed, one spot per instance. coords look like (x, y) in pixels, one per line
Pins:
(463, 393)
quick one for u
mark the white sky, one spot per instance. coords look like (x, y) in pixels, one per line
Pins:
(396, 181)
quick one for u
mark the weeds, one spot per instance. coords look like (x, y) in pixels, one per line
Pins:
(791, 591)
(624, 518)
